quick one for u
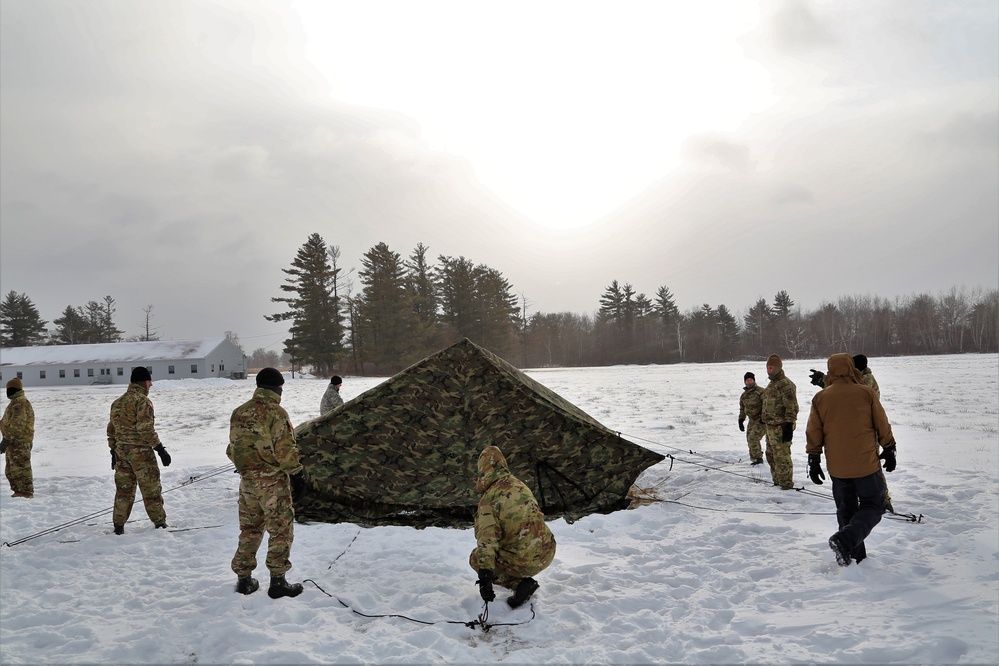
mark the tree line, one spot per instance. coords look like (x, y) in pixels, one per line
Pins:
(405, 308)
(409, 307)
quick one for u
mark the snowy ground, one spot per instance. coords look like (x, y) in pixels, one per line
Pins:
(728, 569)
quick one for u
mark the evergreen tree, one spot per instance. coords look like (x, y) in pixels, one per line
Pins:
(20, 323)
(314, 308)
(758, 326)
(476, 302)
(387, 323)
(672, 323)
(424, 298)
(728, 334)
(72, 328)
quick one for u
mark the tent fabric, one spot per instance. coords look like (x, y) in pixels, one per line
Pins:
(405, 451)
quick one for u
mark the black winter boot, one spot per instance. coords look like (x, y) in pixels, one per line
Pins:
(842, 552)
(119, 529)
(247, 585)
(525, 589)
(282, 588)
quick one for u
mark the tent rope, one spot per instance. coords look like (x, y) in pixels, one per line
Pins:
(481, 621)
(90, 516)
(891, 515)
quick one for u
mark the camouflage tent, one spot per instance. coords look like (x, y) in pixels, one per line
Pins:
(404, 452)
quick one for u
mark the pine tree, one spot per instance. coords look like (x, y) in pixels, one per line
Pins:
(20, 323)
(387, 320)
(476, 302)
(314, 308)
(72, 328)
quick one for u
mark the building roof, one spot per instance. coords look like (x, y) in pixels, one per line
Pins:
(114, 352)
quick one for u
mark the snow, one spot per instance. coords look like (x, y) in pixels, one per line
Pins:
(106, 353)
(725, 568)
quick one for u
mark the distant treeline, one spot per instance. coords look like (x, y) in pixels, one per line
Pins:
(406, 309)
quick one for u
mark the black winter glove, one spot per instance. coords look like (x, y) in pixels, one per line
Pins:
(485, 584)
(817, 378)
(4, 443)
(888, 455)
(299, 486)
(742, 425)
(164, 456)
(815, 469)
(788, 432)
(114, 460)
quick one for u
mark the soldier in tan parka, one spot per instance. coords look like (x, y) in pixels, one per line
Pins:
(132, 439)
(513, 541)
(18, 430)
(262, 447)
(847, 423)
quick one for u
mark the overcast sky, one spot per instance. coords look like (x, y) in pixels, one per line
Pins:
(178, 154)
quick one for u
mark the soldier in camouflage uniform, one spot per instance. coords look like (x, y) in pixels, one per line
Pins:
(263, 449)
(779, 415)
(132, 439)
(513, 541)
(750, 405)
(331, 399)
(18, 429)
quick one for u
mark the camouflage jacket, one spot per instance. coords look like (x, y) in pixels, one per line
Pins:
(261, 437)
(132, 419)
(509, 525)
(869, 380)
(751, 402)
(331, 400)
(780, 400)
(18, 422)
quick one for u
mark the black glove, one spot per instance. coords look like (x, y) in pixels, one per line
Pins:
(817, 378)
(888, 455)
(4, 443)
(485, 584)
(299, 486)
(815, 469)
(788, 432)
(164, 456)
(742, 425)
(114, 460)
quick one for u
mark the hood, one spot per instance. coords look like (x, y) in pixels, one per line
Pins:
(841, 369)
(492, 467)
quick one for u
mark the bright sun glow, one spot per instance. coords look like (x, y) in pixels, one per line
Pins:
(564, 110)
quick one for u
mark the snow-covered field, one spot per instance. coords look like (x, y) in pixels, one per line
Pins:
(725, 569)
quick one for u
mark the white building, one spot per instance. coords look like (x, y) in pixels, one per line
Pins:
(68, 365)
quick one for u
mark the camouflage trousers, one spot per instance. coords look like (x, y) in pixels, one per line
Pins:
(510, 572)
(264, 504)
(754, 434)
(137, 466)
(779, 458)
(18, 469)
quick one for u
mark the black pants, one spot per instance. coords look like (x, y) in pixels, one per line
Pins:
(859, 506)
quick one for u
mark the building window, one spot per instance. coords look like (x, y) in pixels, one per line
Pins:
(62, 374)
(120, 372)
(194, 369)
(90, 372)
(213, 367)
(170, 370)
(20, 375)
(41, 374)
(76, 372)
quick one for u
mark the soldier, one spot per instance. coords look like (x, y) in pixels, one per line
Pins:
(779, 415)
(867, 377)
(751, 404)
(331, 399)
(132, 439)
(262, 447)
(18, 429)
(848, 422)
(513, 541)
